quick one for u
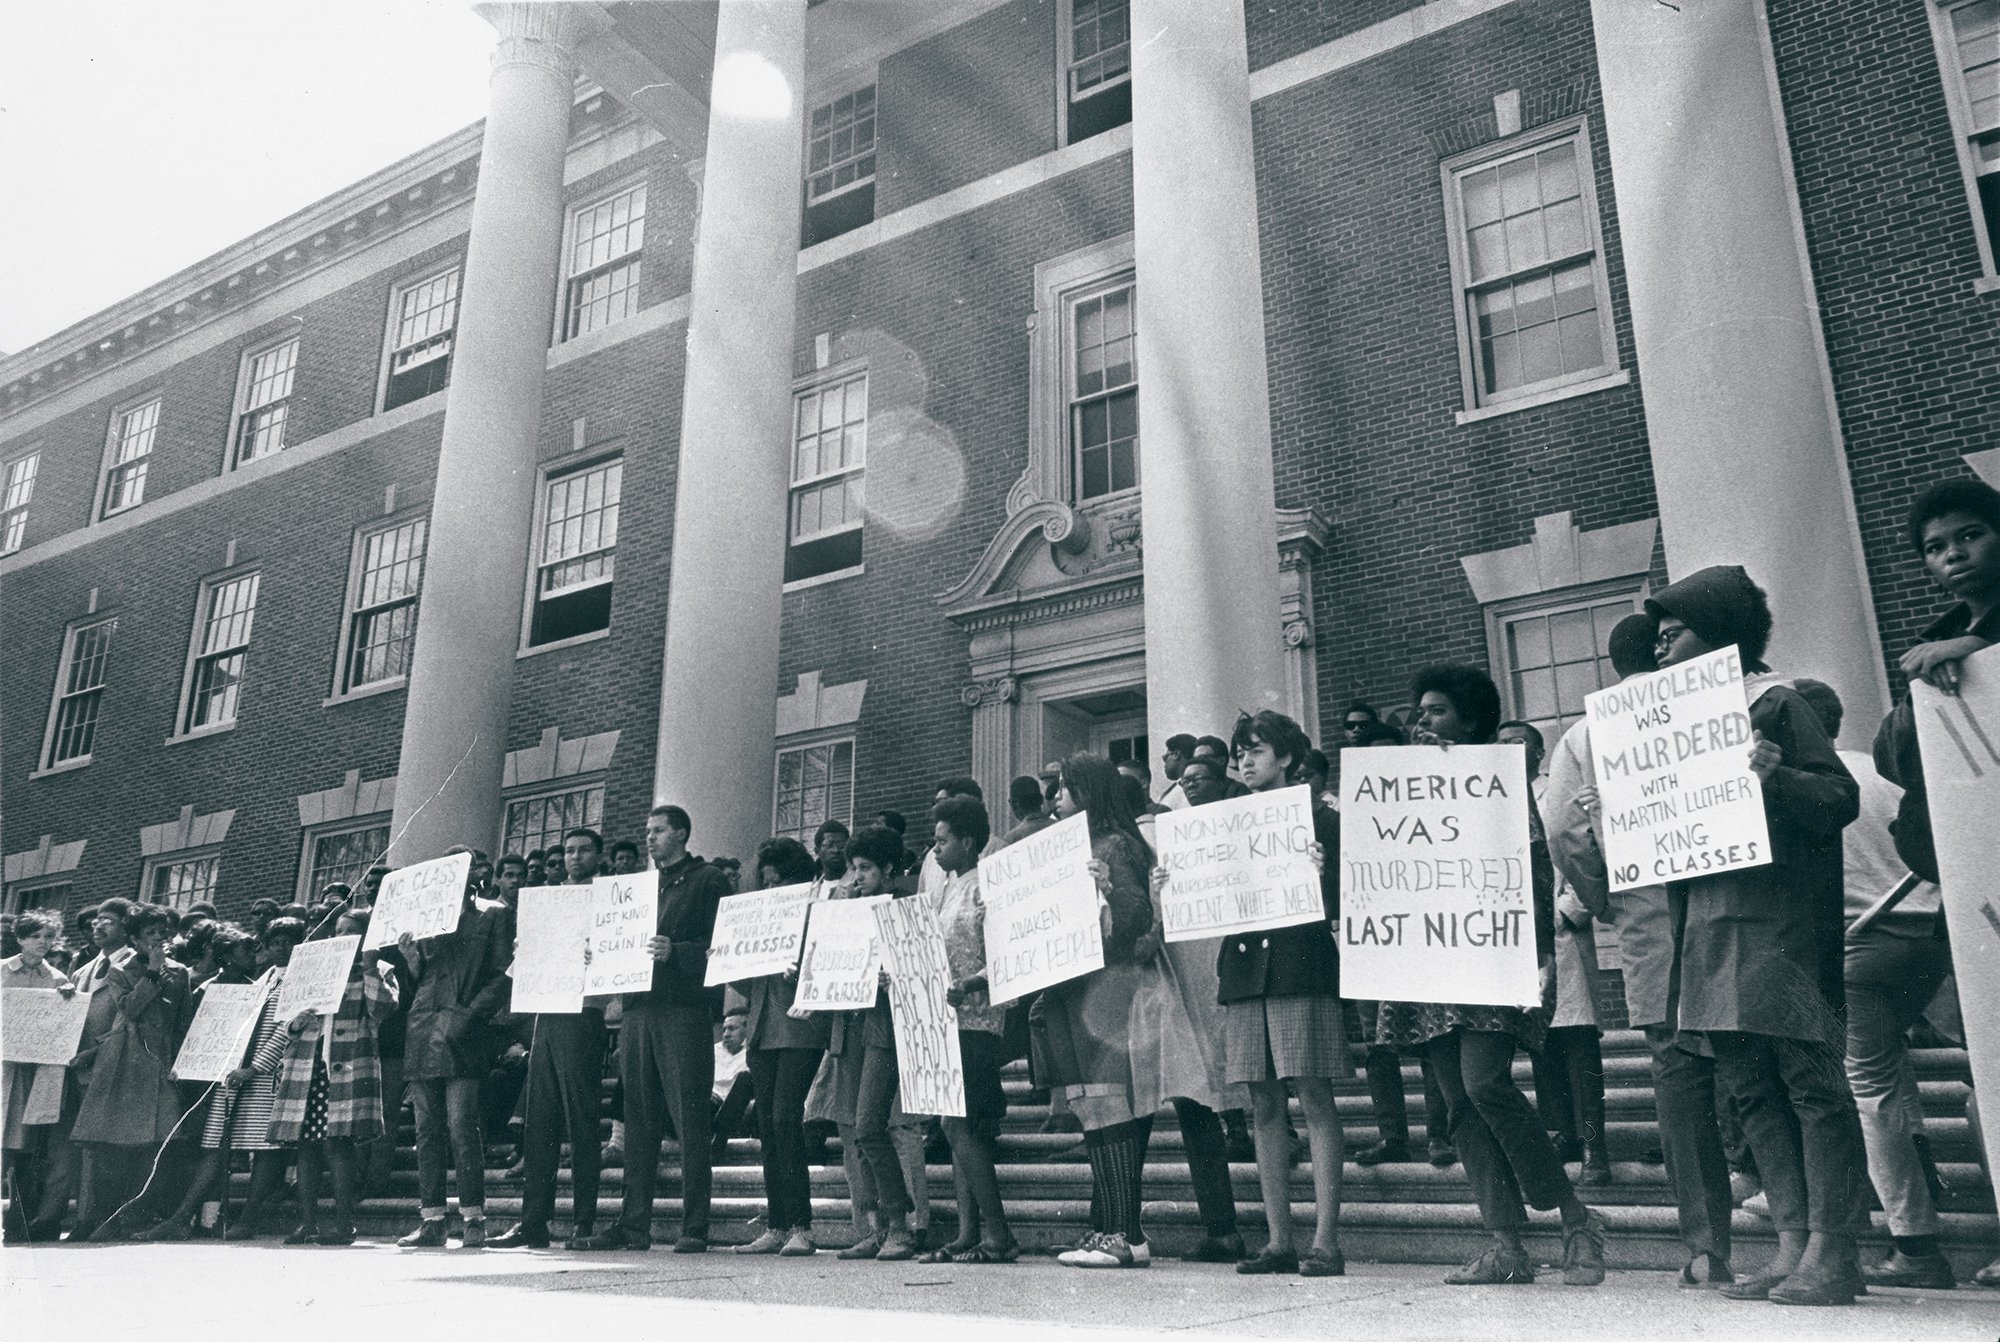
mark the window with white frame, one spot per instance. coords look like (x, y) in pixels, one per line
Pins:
(829, 459)
(1968, 37)
(47, 895)
(180, 879)
(1534, 309)
(17, 491)
(223, 618)
(541, 819)
(1097, 67)
(381, 628)
(815, 783)
(576, 554)
(79, 699)
(1102, 368)
(1552, 649)
(132, 433)
(423, 319)
(342, 853)
(264, 402)
(840, 166)
(605, 241)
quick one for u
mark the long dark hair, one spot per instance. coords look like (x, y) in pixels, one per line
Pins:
(1099, 792)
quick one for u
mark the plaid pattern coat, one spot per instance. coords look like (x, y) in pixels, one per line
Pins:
(354, 1071)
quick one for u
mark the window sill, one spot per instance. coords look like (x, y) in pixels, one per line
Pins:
(67, 766)
(200, 733)
(1619, 378)
(821, 580)
(1986, 284)
(366, 692)
(110, 513)
(562, 643)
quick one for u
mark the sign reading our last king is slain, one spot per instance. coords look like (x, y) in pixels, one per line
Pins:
(1239, 865)
(1436, 890)
(1041, 911)
(1672, 756)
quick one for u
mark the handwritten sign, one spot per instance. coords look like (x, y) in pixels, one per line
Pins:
(1239, 865)
(1672, 751)
(758, 933)
(929, 1067)
(423, 900)
(550, 935)
(220, 1031)
(1436, 893)
(842, 960)
(40, 1024)
(316, 977)
(1041, 911)
(624, 916)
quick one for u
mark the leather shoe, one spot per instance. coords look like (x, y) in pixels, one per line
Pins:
(520, 1237)
(612, 1240)
(1218, 1249)
(1382, 1153)
(1596, 1170)
(1930, 1273)
(691, 1244)
(474, 1235)
(1750, 1288)
(1444, 1155)
(428, 1235)
(1826, 1286)
(1268, 1262)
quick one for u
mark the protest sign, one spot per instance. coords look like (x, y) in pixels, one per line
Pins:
(550, 935)
(928, 1066)
(41, 1025)
(758, 933)
(1041, 911)
(1436, 893)
(1239, 865)
(316, 977)
(220, 1031)
(624, 916)
(423, 900)
(1672, 754)
(842, 960)
(1960, 739)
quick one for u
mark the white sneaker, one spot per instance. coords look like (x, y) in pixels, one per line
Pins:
(1109, 1251)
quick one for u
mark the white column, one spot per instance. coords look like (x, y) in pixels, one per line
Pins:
(719, 682)
(1748, 462)
(475, 567)
(1210, 524)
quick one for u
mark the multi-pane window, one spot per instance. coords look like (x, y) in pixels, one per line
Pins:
(605, 241)
(814, 784)
(132, 434)
(342, 855)
(1971, 39)
(1103, 371)
(19, 490)
(829, 458)
(222, 641)
(382, 625)
(577, 554)
(51, 896)
(79, 693)
(267, 401)
(424, 320)
(1552, 656)
(540, 821)
(182, 880)
(1531, 283)
(840, 166)
(1098, 79)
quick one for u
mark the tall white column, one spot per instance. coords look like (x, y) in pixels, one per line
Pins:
(1210, 523)
(475, 567)
(1748, 462)
(719, 683)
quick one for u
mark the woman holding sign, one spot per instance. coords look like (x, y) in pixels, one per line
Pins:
(30, 1093)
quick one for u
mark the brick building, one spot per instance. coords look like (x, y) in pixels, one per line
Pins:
(678, 434)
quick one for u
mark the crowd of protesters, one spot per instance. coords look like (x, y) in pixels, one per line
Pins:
(1778, 1032)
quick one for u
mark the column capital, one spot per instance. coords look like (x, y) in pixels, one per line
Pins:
(544, 35)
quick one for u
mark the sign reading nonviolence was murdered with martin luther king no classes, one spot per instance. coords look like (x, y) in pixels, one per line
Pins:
(758, 932)
(1239, 865)
(842, 961)
(1672, 755)
(624, 916)
(1041, 911)
(1436, 889)
(424, 900)
(929, 1067)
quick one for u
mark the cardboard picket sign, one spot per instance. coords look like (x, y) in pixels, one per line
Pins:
(1042, 923)
(221, 1030)
(929, 1068)
(424, 899)
(1243, 864)
(841, 965)
(551, 932)
(316, 977)
(758, 932)
(41, 1025)
(624, 916)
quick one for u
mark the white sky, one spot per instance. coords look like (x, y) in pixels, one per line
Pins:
(139, 136)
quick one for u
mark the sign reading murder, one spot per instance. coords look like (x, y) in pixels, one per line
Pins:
(624, 916)
(220, 1031)
(1239, 865)
(41, 1025)
(1436, 891)
(1041, 911)
(551, 933)
(842, 960)
(928, 1065)
(316, 977)
(758, 933)
(1672, 754)
(423, 900)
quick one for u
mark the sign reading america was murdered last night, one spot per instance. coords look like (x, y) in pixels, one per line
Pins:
(1436, 891)
(1239, 865)
(1672, 753)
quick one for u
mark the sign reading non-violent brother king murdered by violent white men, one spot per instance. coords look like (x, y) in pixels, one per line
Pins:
(1239, 865)
(841, 966)
(220, 1030)
(1041, 911)
(1672, 755)
(424, 899)
(1436, 891)
(929, 1067)
(758, 932)
(624, 916)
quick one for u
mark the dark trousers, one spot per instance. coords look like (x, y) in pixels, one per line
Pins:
(781, 1077)
(1385, 1090)
(565, 1091)
(871, 1123)
(1499, 1137)
(731, 1111)
(448, 1134)
(1208, 1165)
(1569, 1083)
(1691, 1139)
(1799, 1118)
(666, 1058)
